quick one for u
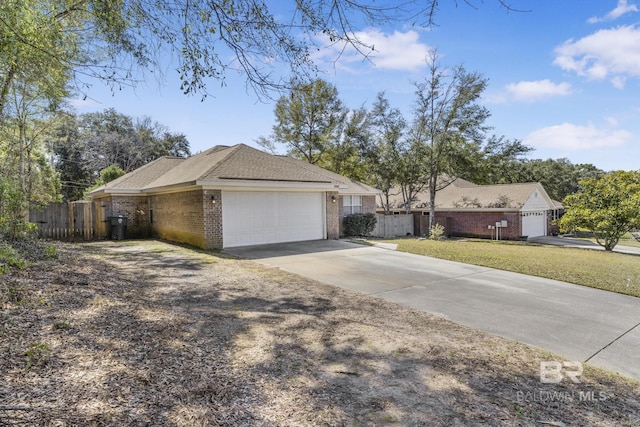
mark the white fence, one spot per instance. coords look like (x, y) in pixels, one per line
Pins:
(393, 225)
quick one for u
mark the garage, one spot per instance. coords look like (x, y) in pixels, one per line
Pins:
(263, 217)
(534, 223)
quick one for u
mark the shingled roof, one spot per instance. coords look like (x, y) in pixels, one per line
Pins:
(461, 194)
(226, 166)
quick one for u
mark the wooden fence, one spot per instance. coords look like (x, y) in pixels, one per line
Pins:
(393, 225)
(72, 221)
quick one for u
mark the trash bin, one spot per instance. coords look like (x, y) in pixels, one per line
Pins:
(118, 227)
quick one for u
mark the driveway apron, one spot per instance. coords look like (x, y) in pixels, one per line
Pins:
(579, 323)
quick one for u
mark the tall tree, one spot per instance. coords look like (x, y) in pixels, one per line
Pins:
(384, 153)
(609, 207)
(559, 177)
(67, 149)
(28, 103)
(308, 120)
(85, 145)
(344, 154)
(448, 123)
(497, 160)
(35, 50)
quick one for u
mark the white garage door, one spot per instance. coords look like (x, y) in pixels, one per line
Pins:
(534, 223)
(256, 218)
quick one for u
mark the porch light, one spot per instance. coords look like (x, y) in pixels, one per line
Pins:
(213, 199)
(333, 198)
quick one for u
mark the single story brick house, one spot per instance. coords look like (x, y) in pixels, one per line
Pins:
(234, 196)
(469, 210)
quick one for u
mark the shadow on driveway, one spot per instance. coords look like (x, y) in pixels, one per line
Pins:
(292, 248)
(578, 322)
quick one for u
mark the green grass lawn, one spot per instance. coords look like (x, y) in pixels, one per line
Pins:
(610, 271)
(625, 240)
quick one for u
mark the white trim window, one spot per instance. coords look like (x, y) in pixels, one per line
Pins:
(351, 205)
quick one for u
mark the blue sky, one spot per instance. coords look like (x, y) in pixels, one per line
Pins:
(564, 78)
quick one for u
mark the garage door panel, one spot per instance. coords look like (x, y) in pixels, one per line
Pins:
(253, 218)
(534, 223)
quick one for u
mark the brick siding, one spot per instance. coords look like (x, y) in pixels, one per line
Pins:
(136, 209)
(212, 218)
(472, 224)
(334, 216)
(192, 217)
(368, 204)
(179, 217)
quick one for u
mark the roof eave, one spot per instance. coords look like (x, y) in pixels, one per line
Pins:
(171, 187)
(113, 192)
(240, 183)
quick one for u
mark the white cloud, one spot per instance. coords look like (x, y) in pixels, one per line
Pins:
(611, 53)
(613, 121)
(618, 82)
(397, 51)
(532, 91)
(568, 136)
(623, 8)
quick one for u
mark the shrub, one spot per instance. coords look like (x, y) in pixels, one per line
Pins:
(36, 355)
(12, 209)
(359, 224)
(9, 257)
(436, 232)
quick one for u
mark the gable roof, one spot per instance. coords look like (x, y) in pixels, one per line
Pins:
(239, 165)
(461, 194)
(349, 186)
(143, 176)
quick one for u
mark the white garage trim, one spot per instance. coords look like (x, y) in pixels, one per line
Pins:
(263, 217)
(534, 223)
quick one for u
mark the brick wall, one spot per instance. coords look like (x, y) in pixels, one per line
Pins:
(334, 215)
(179, 217)
(136, 209)
(471, 224)
(474, 224)
(212, 218)
(368, 204)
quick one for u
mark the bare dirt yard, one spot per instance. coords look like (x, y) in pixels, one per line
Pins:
(145, 333)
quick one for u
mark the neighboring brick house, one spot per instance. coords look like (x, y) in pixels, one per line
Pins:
(469, 210)
(234, 196)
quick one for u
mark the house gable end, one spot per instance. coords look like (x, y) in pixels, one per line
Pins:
(538, 200)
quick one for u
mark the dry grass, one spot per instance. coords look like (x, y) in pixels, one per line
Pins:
(597, 269)
(151, 334)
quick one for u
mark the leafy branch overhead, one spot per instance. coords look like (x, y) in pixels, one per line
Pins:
(116, 40)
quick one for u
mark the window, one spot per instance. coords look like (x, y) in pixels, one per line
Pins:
(351, 205)
(557, 214)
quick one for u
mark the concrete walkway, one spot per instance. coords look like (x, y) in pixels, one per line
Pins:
(579, 323)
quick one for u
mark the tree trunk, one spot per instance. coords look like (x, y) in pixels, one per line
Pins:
(432, 200)
(4, 91)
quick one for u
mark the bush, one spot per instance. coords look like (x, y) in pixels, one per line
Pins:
(9, 257)
(436, 232)
(359, 224)
(12, 209)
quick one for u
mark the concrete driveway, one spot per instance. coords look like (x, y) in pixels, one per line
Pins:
(579, 323)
